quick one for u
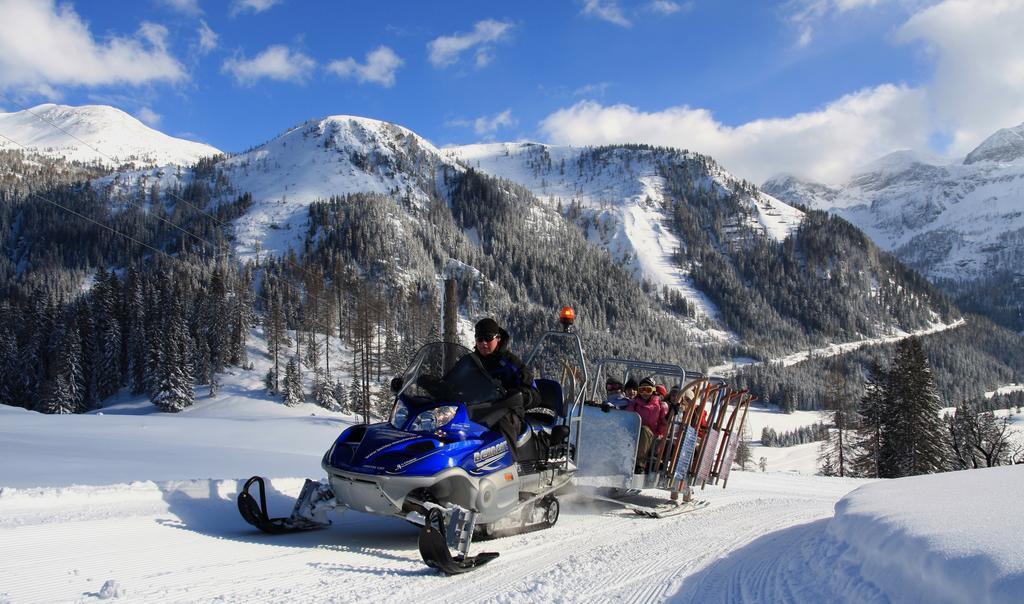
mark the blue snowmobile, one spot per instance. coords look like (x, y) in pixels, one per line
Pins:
(439, 463)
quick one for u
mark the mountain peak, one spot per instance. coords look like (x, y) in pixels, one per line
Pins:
(96, 133)
(1005, 146)
(899, 161)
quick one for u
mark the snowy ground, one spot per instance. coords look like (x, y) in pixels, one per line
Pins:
(142, 504)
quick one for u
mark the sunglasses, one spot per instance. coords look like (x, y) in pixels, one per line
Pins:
(486, 338)
(645, 389)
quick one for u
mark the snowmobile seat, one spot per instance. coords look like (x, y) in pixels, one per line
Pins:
(550, 410)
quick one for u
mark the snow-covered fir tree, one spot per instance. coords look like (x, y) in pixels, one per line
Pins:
(874, 416)
(914, 441)
(174, 378)
(293, 383)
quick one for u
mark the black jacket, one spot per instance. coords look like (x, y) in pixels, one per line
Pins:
(509, 369)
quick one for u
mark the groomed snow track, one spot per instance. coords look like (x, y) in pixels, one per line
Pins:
(183, 541)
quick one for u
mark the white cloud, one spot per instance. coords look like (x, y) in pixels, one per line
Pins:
(185, 7)
(824, 144)
(489, 125)
(149, 116)
(256, 6)
(606, 10)
(486, 126)
(664, 7)
(978, 86)
(379, 68)
(207, 38)
(806, 15)
(445, 50)
(598, 89)
(277, 62)
(45, 46)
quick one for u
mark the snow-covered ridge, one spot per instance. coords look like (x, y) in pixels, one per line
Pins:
(336, 155)
(956, 220)
(96, 133)
(1006, 145)
(623, 191)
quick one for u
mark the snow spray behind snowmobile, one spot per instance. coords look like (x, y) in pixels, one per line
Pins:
(439, 463)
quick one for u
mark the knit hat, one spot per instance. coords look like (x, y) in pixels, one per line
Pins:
(612, 382)
(630, 383)
(486, 327)
(660, 389)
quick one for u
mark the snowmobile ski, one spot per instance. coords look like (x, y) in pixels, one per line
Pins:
(255, 512)
(434, 548)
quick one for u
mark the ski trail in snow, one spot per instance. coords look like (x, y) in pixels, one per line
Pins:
(832, 350)
(184, 541)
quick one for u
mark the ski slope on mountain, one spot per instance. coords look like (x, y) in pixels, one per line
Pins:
(624, 192)
(142, 505)
(96, 133)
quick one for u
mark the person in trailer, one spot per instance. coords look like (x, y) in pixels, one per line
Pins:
(629, 389)
(653, 414)
(492, 350)
(614, 396)
(675, 397)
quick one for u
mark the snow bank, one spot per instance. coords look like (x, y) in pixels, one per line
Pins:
(955, 537)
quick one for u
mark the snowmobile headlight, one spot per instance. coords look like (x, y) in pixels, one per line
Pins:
(399, 415)
(432, 419)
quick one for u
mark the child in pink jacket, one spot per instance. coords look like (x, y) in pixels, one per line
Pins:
(653, 414)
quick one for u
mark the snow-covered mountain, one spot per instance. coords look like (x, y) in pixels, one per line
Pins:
(335, 155)
(622, 192)
(694, 240)
(961, 220)
(96, 133)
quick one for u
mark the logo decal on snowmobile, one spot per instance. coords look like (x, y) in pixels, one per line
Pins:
(484, 456)
(390, 444)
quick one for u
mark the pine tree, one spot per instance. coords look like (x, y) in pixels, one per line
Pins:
(873, 417)
(63, 391)
(293, 383)
(743, 454)
(174, 387)
(108, 334)
(136, 331)
(323, 392)
(915, 442)
(837, 451)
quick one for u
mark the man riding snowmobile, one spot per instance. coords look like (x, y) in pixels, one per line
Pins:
(492, 351)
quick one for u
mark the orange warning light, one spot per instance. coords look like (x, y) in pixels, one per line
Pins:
(567, 316)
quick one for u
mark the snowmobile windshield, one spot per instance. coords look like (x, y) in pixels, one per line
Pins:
(442, 372)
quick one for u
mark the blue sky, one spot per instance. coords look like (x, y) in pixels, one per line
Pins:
(815, 87)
